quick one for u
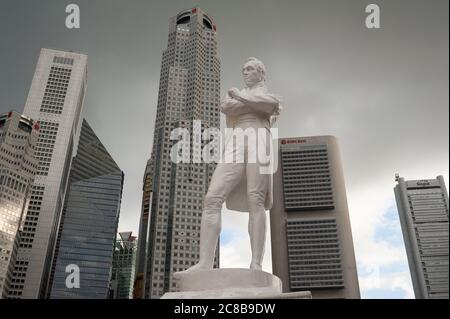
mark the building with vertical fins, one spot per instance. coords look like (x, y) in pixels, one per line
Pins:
(141, 253)
(18, 165)
(88, 227)
(55, 100)
(312, 245)
(423, 210)
(124, 265)
(189, 91)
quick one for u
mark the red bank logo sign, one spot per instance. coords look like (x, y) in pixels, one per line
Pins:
(295, 141)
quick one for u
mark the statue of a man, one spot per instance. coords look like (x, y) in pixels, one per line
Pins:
(241, 184)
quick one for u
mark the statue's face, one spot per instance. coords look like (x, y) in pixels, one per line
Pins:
(251, 74)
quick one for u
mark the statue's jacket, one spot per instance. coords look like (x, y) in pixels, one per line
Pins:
(255, 109)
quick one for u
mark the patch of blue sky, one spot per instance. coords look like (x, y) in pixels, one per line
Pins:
(383, 293)
(389, 229)
(396, 267)
(228, 235)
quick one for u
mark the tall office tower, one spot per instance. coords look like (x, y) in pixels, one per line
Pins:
(312, 246)
(141, 254)
(124, 264)
(189, 91)
(90, 218)
(18, 165)
(55, 100)
(423, 210)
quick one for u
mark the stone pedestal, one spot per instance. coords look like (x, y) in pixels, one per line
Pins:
(230, 283)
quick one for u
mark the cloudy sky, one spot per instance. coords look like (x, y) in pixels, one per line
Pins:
(382, 92)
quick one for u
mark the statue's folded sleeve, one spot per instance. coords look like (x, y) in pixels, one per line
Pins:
(233, 107)
(261, 101)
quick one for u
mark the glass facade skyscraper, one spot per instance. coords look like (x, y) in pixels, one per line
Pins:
(18, 165)
(124, 264)
(189, 90)
(89, 221)
(423, 210)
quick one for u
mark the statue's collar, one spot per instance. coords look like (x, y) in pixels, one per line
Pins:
(256, 86)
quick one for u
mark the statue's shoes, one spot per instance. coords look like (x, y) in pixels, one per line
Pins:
(194, 268)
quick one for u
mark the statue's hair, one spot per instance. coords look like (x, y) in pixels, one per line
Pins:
(259, 66)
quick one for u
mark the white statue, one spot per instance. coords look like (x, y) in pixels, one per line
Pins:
(241, 184)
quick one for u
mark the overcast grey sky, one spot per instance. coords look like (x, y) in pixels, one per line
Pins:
(382, 92)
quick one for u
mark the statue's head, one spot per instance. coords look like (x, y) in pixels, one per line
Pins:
(253, 72)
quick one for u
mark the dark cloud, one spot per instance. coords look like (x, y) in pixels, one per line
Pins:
(383, 93)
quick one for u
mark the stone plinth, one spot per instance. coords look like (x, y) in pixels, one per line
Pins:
(230, 283)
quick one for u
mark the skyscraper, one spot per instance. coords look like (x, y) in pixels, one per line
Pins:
(55, 100)
(124, 264)
(423, 209)
(18, 136)
(141, 254)
(89, 222)
(312, 246)
(189, 90)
